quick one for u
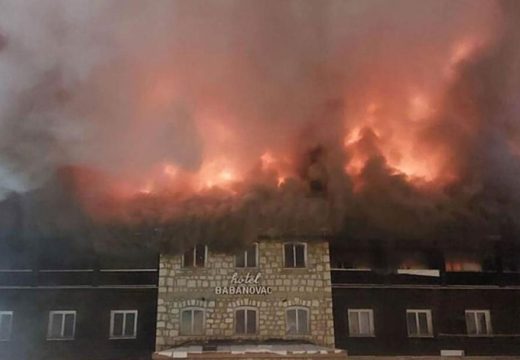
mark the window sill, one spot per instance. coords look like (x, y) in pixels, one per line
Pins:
(480, 335)
(59, 339)
(122, 337)
(246, 336)
(420, 336)
(362, 336)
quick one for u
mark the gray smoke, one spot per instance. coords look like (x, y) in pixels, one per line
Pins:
(124, 89)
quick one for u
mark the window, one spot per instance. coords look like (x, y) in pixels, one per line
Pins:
(245, 321)
(6, 322)
(195, 256)
(248, 258)
(192, 321)
(361, 322)
(463, 263)
(419, 323)
(478, 322)
(295, 255)
(61, 325)
(123, 324)
(297, 321)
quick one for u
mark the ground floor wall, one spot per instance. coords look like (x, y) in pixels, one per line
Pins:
(447, 305)
(31, 306)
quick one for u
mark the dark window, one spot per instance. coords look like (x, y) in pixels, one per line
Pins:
(361, 322)
(61, 325)
(245, 321)
(192, 322)
(478, 322)
(6, 321)
(123, 324)
(297, 321)
(294, 255)
(419, 323)
(248, 257)
(195, 257)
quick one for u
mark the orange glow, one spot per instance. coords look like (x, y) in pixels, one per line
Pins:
(170, 170)
(419, 107)
(216, 174)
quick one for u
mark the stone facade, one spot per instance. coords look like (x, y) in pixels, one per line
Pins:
(308, 287)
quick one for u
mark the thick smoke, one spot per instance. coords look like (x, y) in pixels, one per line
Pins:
(418, 100)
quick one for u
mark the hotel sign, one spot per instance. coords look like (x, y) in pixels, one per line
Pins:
(248, 284)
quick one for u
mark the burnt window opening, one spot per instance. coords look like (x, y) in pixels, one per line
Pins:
(195, 256)
(295, 255)
(463, 262)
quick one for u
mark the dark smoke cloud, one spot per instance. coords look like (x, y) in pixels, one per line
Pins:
(125, 89)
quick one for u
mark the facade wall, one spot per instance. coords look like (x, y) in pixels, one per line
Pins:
(307, 287)
(91, 341)
(447, 305)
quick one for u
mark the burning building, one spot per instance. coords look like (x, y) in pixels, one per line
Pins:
(181, 124)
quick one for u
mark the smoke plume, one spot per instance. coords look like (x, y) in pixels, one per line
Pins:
(217, 121)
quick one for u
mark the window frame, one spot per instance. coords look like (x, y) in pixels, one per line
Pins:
(192, 309)
(294, 243)
(194, 266)
(371, 324)
(487, 317)
(10, 332)
(429, 322)
(244, 253)
(297, 309)
(113, 313)
(51, 322)
(246, 308)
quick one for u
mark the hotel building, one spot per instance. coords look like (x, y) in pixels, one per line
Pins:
(274, 296)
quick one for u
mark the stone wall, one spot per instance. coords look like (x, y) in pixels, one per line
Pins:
(195, 287)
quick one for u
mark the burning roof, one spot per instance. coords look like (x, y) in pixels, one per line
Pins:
(222, 121)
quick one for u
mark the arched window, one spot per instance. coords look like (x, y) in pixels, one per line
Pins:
(297, 321)
(192, 321)
(246, 319)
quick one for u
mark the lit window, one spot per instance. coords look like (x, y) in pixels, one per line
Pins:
(419, 323)
(478, 322)
(463, 263)
(192, 321)
(123, 324)
(247, 258)
(245, 321)
(6, 322)
(195, 256)
(295, 255)
(297, 321)
(61, 325)
(361, 322)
